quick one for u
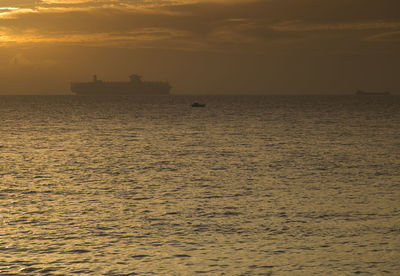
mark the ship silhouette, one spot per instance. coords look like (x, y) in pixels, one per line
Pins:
(136, 86)
(361, 92)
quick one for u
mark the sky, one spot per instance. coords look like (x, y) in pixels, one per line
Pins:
(202, 46)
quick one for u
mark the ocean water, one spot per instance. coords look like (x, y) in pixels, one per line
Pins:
(273, 185)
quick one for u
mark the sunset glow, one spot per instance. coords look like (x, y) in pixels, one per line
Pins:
(280, 33)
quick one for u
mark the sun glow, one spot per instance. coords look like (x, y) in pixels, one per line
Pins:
(11, 12)
(7, 10)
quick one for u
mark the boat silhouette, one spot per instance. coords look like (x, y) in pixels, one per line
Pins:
(198, 105)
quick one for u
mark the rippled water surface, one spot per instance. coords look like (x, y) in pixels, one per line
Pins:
(245, 186)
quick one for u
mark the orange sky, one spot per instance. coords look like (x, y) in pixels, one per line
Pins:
(204, 46)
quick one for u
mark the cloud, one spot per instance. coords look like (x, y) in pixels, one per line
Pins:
(298, 26)
(12, 12)
(139, 38)
(7, 9)
(385, 37)
(68, 1)
(194, 25)
(19, 3)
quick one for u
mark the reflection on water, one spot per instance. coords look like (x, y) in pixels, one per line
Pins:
(244, 186)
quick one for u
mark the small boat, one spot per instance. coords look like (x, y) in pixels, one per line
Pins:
(198, 105)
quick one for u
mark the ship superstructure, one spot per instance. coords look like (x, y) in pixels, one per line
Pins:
(134, 87)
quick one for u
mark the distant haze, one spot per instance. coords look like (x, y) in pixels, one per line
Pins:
(199, 46)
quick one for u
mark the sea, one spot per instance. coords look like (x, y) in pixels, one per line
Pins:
(247, 185)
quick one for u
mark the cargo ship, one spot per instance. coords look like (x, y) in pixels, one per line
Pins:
(360, 92)
(112, 88)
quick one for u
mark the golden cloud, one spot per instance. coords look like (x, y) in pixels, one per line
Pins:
(298, 26)
(13, 12)
(385, 37)
(200, 24)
